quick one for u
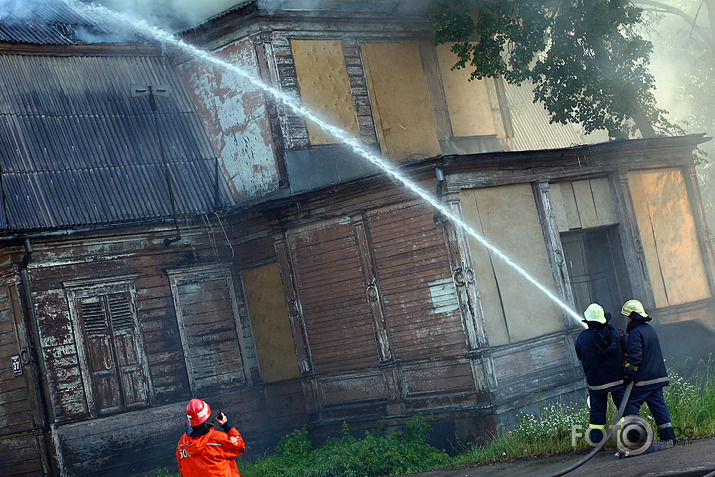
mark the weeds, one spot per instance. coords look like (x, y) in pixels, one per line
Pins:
(379, 454)
(691, 405)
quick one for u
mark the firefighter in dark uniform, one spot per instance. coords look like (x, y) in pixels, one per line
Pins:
(646, 368)
(601, 351)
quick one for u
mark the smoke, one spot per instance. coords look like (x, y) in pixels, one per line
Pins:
(394, 7)
(15, 10)
(271, 6)
(171, 15)
(683, 64)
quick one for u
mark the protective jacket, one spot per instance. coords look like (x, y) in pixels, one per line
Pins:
(210, 455)
(644, 356)
(601, 351)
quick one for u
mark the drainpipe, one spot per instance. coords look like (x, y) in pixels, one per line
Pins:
(37, 364)
(439, 174)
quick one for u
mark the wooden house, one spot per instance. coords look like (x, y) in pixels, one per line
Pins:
(220, 246)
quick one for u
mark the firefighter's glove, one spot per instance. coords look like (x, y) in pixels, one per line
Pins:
(629, 372)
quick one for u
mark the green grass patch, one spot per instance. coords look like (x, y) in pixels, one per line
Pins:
(377, 453)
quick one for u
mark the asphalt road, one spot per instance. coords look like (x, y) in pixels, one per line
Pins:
(693, 458)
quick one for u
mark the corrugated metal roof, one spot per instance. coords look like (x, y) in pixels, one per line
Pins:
(52, 22)
(78, 150)
(531, 123)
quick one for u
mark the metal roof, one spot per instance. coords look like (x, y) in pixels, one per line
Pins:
(532, 129)
(52, 22)
(76, 150)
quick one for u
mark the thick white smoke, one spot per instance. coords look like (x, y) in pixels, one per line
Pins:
(169, 14)
(14, 9)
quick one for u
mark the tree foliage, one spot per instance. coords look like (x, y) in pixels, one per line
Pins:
(585, 58)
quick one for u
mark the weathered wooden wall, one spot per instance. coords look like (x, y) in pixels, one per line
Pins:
(21, 439)
(381, 298)
(381, 81)
(144, 435)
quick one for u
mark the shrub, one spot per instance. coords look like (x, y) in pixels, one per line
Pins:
(379, 454)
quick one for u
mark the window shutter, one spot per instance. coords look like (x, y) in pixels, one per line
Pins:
(100, 361)
(127, 348)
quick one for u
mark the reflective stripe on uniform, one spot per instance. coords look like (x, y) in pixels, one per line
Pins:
(604, 386)
(666, 425)
(596, 426)
(631, 366)
(213, 444)
(652, 381)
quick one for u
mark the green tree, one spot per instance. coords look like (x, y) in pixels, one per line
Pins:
(586, 59)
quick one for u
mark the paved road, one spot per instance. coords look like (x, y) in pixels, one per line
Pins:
(690, 459)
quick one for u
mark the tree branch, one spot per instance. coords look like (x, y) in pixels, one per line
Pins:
(665, 8)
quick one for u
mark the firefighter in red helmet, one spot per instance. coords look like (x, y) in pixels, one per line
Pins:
(204, 451)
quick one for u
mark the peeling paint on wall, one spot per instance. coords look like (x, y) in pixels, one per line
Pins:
(235, 117)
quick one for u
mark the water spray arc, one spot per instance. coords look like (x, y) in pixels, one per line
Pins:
(104, 15)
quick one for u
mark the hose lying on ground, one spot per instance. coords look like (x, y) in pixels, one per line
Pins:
(600, 445)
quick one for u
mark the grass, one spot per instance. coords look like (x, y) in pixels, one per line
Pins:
(691, 403)
(380, 453)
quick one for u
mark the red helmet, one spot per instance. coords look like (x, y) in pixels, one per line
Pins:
(197, 412)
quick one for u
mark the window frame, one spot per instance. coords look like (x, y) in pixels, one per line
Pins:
(75, 292)
(181, 276)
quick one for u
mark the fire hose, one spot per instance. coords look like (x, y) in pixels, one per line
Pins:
(600, 445)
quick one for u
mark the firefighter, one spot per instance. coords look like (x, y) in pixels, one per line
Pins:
(601, 351)
(206, 452)
(646, 368)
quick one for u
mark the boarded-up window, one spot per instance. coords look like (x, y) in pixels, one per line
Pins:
(418, 291)
(468, 101)
(328, 271)
(670, 240)
(110, 346)
(400, 103)
(270, 324)
(514, 309)
(583, 204)
(324, 87)
(205, 304)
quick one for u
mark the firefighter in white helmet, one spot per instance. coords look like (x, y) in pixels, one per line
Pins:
(646, 368)
(205, 452)
(601, 349)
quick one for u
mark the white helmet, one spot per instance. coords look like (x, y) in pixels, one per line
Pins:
(633, 305)
(594, 312)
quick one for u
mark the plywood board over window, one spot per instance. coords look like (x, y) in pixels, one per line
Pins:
(583, 204)
(400, 103)
(670, 240)
(470, 111)
(211, 334)
(514, 309)
(270, 324)
(324, 87)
